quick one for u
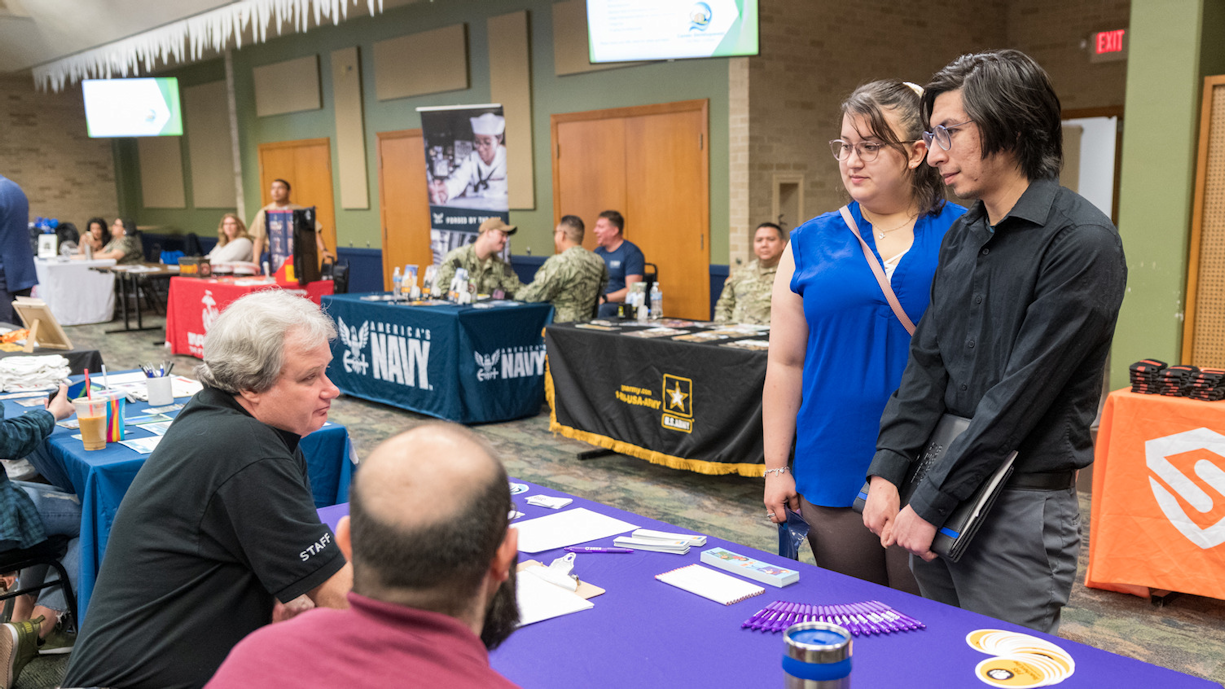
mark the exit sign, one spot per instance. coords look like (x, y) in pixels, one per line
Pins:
(1108, 46)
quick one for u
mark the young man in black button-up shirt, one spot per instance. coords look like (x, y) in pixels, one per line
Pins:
(1024, 305)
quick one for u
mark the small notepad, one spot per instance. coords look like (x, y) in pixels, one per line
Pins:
(706, 582)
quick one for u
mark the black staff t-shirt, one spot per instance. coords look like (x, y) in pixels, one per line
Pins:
(218, 521)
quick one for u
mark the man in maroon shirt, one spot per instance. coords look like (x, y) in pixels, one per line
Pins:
(433, 577)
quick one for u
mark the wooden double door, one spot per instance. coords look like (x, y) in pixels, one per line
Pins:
(404, 205)
(307, 165)
(651, 163)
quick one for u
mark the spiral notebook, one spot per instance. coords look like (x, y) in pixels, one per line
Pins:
(706, 582)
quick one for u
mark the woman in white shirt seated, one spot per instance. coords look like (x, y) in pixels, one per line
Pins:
(233, 242)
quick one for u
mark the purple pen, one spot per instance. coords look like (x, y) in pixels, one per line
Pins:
(884, 623)
(787, 619)
(766, 622)
(586, 549)
(780, 621)
(914, 624)
(753, 619)
(751, 622)
(850, 622)
(894, 619)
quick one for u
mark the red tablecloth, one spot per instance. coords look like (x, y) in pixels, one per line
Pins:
(194, 304)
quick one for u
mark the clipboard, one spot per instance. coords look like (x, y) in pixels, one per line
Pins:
(45, 331)
(585, 590)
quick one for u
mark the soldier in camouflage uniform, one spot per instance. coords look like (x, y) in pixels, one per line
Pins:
(572, 279)
(486, 270)
(746, 294)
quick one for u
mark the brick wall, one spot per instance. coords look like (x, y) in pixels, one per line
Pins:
(1051, 31)
(813, 54)
(45, 149)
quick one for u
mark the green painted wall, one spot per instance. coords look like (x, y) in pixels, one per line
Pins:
(1171, 42)
(640, 85)
(127, 171)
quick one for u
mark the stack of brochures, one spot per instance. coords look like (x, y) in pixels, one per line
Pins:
(745, 566)
(659, 541)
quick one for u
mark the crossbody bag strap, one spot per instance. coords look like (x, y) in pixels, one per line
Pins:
(878, 272)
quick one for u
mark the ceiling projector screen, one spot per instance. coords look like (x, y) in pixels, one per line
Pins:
(132, 107)
(628, 30)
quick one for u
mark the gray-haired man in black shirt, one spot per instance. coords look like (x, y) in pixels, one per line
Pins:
(218, 534)
(1024, 304)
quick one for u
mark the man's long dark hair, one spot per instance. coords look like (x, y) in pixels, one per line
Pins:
(1013, 103)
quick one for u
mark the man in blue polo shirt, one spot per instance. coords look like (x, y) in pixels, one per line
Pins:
(624, 260)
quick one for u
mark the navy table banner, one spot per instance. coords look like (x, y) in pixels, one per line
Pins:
(683, 404)
(471, 364)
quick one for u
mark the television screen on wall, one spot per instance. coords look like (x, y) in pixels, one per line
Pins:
(132, 107)
(627, 30)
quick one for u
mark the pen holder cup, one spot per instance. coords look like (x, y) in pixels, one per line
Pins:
(161, 393)
(818, 656)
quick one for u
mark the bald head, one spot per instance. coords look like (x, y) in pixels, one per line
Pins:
(429, 510)
(417, 467)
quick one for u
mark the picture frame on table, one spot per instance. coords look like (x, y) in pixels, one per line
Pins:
(45, 330)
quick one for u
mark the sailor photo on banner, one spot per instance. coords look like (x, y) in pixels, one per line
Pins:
(465, 170)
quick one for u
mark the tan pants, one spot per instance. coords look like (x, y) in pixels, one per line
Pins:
(841, 543)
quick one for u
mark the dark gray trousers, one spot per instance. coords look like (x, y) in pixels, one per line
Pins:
(1019, 567)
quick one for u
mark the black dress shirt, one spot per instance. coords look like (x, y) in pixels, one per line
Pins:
(1016, 339)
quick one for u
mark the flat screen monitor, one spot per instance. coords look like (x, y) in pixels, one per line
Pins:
(132, 107)
(628, 30)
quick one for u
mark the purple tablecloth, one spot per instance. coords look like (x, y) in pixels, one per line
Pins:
(644, 633)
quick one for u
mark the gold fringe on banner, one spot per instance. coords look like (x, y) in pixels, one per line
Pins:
(696, 465)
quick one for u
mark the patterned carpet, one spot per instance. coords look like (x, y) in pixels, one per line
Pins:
(1186, 634)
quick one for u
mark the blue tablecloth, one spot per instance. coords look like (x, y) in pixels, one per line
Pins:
(102, 477)
(645, 633)
(470, 364)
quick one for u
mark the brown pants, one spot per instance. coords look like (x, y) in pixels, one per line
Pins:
(841, 543)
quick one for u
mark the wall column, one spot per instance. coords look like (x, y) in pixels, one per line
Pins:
(1158, 177)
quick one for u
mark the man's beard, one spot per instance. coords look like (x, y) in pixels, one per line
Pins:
(502, 614)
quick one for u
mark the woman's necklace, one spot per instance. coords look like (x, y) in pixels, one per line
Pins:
(881, 233)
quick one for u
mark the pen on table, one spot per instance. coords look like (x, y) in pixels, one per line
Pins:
(598, 550)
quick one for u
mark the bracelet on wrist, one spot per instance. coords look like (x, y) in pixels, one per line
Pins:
(780, 470)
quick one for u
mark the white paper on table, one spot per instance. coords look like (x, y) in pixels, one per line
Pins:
(571, 527)
(540, 600)
(185, 387)
(158, 428)
(120, 378)
(142, 445)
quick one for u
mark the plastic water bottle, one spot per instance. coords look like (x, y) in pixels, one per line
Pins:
(396, 280)
(657, 302)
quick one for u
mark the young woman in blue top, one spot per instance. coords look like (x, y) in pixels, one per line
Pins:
(837, 351)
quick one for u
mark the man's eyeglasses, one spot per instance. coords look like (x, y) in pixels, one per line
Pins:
(866, 150)
(943, 135)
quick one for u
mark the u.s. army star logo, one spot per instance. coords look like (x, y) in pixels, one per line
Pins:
(678, 395)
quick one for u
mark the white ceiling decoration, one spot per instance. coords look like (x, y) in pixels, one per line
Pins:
(188, 39)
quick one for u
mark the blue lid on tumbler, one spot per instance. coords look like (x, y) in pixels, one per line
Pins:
(818, 655)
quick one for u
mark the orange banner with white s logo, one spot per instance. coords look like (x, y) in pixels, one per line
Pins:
(1158, 515)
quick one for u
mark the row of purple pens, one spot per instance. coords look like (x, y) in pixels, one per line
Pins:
(860, 619)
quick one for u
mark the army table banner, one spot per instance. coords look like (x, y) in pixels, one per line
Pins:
(1158, 512)
(470, 364)
(692, 405)
(465, 170)
(195, 303)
